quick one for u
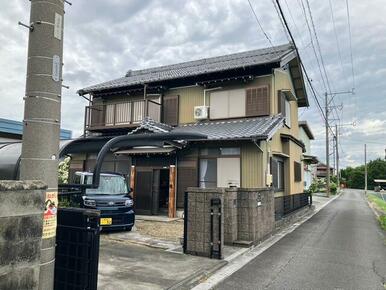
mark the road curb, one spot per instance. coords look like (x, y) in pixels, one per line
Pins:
(244, 258)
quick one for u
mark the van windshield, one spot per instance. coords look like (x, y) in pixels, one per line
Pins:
(107, 185)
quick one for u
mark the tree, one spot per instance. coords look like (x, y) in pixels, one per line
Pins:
(355, 176)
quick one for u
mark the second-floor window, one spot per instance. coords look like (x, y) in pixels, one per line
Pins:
(250, 102)
(284, 107)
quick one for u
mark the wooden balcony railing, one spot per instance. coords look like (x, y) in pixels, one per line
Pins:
(120, 115)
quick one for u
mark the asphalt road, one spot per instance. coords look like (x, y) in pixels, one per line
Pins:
(341, 247)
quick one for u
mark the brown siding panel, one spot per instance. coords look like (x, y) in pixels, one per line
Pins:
(186, 177)
(170, 110)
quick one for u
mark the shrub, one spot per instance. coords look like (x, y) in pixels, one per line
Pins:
(333, 188)
(382, 221)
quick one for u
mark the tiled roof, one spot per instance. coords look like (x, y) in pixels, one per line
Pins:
(197, 67)
(259, 128)
(153, 126)
(251, 128)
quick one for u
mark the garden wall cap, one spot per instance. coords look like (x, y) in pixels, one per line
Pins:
(7, 185)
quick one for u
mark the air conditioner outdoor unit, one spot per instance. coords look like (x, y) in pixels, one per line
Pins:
(201, 112)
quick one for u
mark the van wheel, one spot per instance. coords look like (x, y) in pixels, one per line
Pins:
(128, 229)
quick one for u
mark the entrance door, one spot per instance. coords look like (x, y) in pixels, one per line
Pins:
(156, 191)
(144, 191)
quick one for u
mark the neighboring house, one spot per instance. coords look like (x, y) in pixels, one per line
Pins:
(12, 131)
(321, 170)
(309, 161)
(245, 103)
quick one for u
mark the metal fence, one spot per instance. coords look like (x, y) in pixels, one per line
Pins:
(77, 249)
(286, 204)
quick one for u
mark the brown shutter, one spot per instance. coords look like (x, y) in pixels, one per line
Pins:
(298, 171)
(281, 103)
(257, 101)
(170, 110)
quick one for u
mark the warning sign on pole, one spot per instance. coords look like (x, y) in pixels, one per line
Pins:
(49, 219)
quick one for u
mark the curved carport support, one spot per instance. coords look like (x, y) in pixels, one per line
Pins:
(122, 142)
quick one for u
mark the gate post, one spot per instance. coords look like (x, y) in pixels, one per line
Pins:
(172, 192)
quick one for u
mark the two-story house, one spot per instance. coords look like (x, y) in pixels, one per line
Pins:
(309, 161)
(245, 103)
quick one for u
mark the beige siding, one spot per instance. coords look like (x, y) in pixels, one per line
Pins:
(252, 166)
(188, 99)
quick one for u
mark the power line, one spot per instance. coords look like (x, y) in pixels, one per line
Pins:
(318, 45)
(261, 27)
(349, 34)
(281, 21)
(312, 44)
(336, 35)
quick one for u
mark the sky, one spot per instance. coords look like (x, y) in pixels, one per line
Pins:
(104, 39)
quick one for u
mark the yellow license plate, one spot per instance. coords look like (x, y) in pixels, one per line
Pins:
(106, 221)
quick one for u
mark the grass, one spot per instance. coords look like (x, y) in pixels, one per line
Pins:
(381, 205)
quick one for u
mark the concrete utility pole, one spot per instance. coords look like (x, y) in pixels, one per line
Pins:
(365, 169)
(337, 155)
(327, 147)
(39, 157)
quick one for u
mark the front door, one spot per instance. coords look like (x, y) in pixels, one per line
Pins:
(144, 191)
(155, 192)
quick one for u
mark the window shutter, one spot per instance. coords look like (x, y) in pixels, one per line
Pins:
(274, 173)
(298, 171)
(257, 101)
(281, 104)
(170, 110)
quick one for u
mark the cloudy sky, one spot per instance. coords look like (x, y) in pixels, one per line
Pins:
(103, 39)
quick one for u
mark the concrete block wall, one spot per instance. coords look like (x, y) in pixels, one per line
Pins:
(199, 226)
(21, 223)
(255, 214)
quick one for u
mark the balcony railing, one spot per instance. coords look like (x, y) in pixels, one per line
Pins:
(120, 115)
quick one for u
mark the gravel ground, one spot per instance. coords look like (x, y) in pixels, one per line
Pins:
(171, 231)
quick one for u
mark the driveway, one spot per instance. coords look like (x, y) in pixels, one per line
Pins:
(341, 247)
(128, 266)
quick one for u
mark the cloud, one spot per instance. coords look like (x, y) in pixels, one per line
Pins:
(104, 39)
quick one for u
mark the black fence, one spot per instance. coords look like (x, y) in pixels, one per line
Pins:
(286, 204)
(77, 249)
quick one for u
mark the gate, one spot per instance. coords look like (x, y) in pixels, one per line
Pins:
(77, 249)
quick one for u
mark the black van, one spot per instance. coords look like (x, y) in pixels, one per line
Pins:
(112, 198)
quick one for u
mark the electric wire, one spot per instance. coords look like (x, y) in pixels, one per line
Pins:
(261, 27)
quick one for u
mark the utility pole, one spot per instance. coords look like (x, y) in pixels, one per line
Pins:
(327, 147)
(337, 155)
(40, 149)
(365, 169)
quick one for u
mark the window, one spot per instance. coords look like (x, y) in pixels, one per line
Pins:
(227, 104)
(228, 172)
(298, 171)
(208, 173)
(287, 113)
(257, 101)
(277, 170)
(284, 107)
(219, 167)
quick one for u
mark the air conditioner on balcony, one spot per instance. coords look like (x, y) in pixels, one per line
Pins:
(201, 112)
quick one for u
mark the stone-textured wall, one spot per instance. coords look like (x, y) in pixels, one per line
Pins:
(248, 217)
(255, 214)
(21, 222)
(199, 226)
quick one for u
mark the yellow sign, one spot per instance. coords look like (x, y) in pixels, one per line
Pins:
(49, 218)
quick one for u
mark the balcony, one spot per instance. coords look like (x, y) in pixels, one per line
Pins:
(104, 117)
